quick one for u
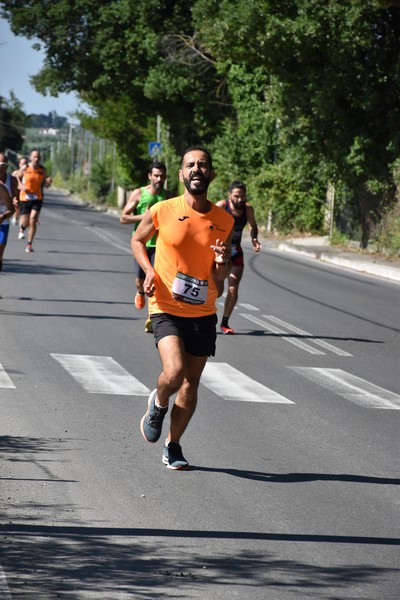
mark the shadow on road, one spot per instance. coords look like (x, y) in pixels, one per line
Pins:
(49, 561)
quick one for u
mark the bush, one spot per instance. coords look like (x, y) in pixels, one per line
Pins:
(387, 232)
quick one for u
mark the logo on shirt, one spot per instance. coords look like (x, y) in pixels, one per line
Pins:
(216, 226)
(183, 218)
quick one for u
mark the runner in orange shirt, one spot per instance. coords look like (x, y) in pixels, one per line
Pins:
(193, 246)
(31, 197)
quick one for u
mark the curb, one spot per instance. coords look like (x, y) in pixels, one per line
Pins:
(285, 247)
(361, 266)
(392, 273)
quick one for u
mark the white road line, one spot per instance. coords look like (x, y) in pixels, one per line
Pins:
(101, 375)
(4, 589)
(248, 306)
(286, 335)
(351, 387)
(319, 342)
(110, 238)
(5, 381)
(231, 384)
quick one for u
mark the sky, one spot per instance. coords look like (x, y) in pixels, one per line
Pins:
(19, 63)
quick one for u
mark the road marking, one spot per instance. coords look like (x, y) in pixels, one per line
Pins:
(4, 589)
(351, 387)
(5, 381)
(248, 306)
(286, 335)
(316, 341)
(110, 238)
(101, 375)
(231, 384)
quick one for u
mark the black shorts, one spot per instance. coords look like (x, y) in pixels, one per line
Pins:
(26, 207)
(151, 252)
(199, 334)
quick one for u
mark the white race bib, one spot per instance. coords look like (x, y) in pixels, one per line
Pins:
(31, 196)
(189, 289)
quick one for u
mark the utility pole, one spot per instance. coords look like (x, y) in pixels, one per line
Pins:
(158, 128)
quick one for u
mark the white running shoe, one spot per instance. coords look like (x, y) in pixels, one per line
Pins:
(21, 235)
(14, 221)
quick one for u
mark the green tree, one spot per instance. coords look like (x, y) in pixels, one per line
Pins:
(125, 60)
(13, 121)
(334, 82)
(289, 95)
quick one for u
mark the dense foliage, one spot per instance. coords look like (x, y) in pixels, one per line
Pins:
(288, 95)
(12, 123)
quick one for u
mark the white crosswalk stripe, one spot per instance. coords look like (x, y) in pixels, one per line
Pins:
(285, 334)
(351, 387)
(101, 375)
(249, 307)
(226, 381)
(5, 381)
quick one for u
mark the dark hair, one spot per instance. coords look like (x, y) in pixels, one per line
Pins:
(157, 165)
(237, 185)
(201, 149)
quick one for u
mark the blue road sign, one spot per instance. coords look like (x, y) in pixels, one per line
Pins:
(154, 149)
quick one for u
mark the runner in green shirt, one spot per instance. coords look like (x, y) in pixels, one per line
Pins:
(140, 200)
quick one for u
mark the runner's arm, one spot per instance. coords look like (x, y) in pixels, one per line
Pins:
(143, 233)
(127, 216)
(251, 220)
(18, 176)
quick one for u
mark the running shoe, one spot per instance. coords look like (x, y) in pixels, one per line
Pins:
(140, 301)
(29, 248)
(151, 423)
(148, 328)
(226, 330)
(21, 235)
(14, 221)
(173, 457)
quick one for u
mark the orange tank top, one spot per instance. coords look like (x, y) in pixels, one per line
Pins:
(33, 180)
(184, 261)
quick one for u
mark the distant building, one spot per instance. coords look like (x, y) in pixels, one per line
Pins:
(49, 131)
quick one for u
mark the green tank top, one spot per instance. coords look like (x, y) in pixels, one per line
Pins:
(146, 201)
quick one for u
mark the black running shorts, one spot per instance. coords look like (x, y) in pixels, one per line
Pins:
(199, 334)
(27, 206)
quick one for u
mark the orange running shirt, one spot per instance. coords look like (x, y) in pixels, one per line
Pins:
(183, 246)
(33, 180)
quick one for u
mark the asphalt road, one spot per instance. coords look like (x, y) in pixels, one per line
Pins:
(293, 487)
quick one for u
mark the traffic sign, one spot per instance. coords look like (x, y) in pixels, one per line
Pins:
(154, 149)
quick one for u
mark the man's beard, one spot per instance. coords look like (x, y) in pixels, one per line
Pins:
(199, 188)
(238, 205)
